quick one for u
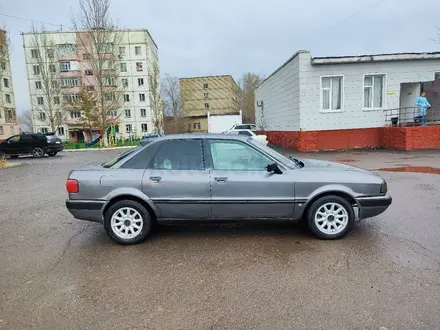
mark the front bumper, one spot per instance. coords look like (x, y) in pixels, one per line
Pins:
(86, 210)
(54, 148)
(373, 206)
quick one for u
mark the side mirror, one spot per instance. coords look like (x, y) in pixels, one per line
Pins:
(273, 168)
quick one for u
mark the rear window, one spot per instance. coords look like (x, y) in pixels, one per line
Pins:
(118, 158)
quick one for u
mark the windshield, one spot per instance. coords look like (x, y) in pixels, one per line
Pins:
(283, 159)
(120, 157)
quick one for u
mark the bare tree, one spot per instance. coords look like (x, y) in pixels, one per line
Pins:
(156, 103)
(26, 121)
(99, 43)
(248, 83)
(47, 102)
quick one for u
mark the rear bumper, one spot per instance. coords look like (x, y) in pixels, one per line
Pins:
(373, 206)
(86, 210)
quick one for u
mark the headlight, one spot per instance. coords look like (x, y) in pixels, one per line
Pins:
(384, 187)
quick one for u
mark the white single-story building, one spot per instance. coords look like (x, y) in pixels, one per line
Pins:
(340, 93)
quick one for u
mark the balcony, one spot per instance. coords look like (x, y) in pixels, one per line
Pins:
(10, 116)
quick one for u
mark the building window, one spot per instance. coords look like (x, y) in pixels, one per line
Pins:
(113, 113)
(12, 130)
(137, 50)
(1, 130)
(36, 69)
(56, 100)
(50, 53)
(126, 97)
(38, 85)
(144, 127)
(128, 113)
(52, 68)
(55, 84)
(87, 56)
(205, 85)
(110, 81)
(61, 131)
(139, 67)
(58, 115)
(121, 51)
(64, 66)
(40, 100)
(110, 97)
(124, 82)
(142, 97)
(70, 82)
(6, 82)
(437, 76)
(34, 53)
(71, 98)
(206, 105)
(75, 114)
(123, 67)
(374, 91)
(196, 125)
(90, 88)
(42, 116)
(66, 49)
(143, 112)
(128, 128)
(331, 93)
(140, 81)
(44, 130)
(3, 65)
(89, 73)
(8, 98)
(206, 95)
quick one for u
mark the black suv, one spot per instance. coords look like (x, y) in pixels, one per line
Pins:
(36, 144)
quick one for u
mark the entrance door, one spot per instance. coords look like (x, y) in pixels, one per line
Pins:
(177, 182)
(241, 186)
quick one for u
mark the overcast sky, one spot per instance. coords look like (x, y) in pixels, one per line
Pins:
(211, 37)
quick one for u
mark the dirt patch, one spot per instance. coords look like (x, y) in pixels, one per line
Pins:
(413, 169)
(347, 160)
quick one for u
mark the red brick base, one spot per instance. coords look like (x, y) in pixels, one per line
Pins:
(400, 138)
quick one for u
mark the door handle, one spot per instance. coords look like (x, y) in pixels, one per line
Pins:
(155, 179)
(221, 180)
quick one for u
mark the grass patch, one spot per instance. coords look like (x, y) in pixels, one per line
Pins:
(2, 161)
(119, 143)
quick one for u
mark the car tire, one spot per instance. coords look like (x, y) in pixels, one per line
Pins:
(37, 152)
(52, 153)
(330, 217)
(128, 222)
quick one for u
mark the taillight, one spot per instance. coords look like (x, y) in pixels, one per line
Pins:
(72, 186)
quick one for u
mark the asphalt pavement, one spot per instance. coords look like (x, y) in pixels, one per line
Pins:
(60, 273)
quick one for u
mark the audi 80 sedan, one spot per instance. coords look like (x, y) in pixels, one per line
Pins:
(221, 178)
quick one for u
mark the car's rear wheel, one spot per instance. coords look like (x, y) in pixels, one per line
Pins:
(127, 222)
(330, 217)
(37, 152)
(52, 153)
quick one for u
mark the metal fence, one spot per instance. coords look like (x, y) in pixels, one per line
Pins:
(410, 116)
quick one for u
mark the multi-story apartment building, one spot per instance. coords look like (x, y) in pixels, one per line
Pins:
(66, 57)
(8, 117)
(216, 95)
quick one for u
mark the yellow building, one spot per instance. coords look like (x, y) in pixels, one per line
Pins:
(216, 95)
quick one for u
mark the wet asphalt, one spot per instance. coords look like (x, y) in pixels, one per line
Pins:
(60, 273)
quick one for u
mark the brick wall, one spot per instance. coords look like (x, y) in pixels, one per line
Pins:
(399, 138)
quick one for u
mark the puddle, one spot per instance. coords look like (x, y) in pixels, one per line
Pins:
(413, 169)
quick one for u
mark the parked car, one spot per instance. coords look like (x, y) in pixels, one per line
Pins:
(251, 127)
(36, 144)
(246, 132)
(221, 177)
(148, 138)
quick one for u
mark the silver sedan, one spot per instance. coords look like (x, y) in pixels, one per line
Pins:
(221, 178)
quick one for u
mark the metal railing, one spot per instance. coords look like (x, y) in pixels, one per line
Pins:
(410, 116)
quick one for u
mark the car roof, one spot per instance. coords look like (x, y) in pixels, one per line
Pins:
(202, 136)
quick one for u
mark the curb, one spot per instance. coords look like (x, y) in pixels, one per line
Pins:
(98, 149)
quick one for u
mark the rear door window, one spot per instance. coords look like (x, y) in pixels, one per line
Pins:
(179, 155)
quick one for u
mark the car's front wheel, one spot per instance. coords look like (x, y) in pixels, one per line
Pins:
(127, 222)
(330, 217)
(37, 152)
